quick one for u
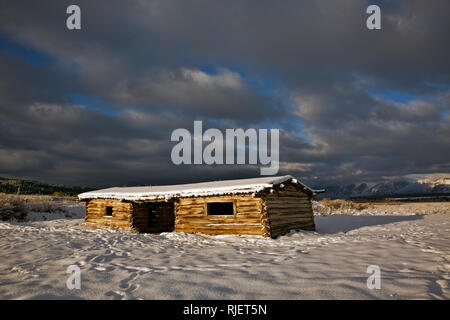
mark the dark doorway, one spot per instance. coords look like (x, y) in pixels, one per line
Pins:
(154, 217)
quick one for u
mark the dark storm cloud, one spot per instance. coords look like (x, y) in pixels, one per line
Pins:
(154, 66)
(381, 140)
(22, 83)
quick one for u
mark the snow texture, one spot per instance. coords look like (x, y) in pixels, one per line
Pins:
(412, 251)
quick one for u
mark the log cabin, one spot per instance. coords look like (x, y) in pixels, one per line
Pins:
(267, 206)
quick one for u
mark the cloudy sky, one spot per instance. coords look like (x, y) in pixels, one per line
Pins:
(97, 106)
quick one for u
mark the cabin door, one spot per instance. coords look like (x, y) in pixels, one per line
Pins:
(153, 213)
(161, 217)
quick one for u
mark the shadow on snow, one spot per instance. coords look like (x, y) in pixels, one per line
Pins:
(345, 222)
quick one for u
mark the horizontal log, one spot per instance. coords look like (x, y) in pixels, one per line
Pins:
(113, 208)
(103, 210)
(191, 206)
(286, 204)
(287, 199)
(249, 214)
(108, 218)
(215, 221)
(230, 226)
(291, 200)
(113, 217)
(289, 214)
(282, 213)
(108, 222)
(238, 215)
(243, 204)
(249, 201)
(289, 210)
(114, 205)
(290, 207)
(292, 225)
(96, 225)
(289, 219)
(248, 209)
(208, 221)
(191, 212)
(220, 231)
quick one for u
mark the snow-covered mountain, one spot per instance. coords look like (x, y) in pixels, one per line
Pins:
(429, 186)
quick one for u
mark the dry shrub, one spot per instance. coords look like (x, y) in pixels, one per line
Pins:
(16, 207)
(327, 206)
(12, 208)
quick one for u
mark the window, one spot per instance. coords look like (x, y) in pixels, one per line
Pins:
(220, 208)
(109, 211)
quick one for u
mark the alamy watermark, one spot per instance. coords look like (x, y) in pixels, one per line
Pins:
(373, 22)
(73, 22)
(374, 281)
(74, 280)
(236, 147)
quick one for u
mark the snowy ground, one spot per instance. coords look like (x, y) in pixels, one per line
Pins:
(413, 252)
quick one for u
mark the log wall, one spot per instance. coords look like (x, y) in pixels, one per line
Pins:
(191, 216)
(121, 213)
(287, 209)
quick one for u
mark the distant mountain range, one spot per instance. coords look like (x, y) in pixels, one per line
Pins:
(428, 187)
(20, 186)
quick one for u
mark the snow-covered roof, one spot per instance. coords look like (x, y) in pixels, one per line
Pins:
(224, 187)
